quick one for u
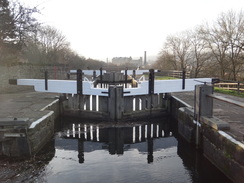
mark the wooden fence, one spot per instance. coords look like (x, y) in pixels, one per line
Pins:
(230, 85)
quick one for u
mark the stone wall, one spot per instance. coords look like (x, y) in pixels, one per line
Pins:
(224, 152)
(26, 71)
(175, 104)
(218, 147)
(28, 139)
(186, 127)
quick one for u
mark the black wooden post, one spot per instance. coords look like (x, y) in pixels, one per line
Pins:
(151, 82)
(94, 75)
(134, 74)
(183, 79)
(101, 77)
(79, 81)
(126, 77)
(46, 80)
(238, 87)
(68, 75)
(81, 150)
(151, 88)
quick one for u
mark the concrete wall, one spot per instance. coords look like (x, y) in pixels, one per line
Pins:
(28, 72)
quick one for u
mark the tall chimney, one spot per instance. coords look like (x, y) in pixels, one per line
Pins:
(145, 58)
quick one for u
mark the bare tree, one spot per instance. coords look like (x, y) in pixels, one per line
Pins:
(200, 55)
(225, 40)
(24, 21)
(165, 61)
(16, 23)
(232, 26)
(217, 46)
(180, 46)
(50, 44)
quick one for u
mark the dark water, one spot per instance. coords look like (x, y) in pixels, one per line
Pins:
(118, 152)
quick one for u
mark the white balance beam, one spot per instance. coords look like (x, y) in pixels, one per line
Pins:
(70, 86)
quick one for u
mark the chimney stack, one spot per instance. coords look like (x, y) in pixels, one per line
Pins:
(145, 58)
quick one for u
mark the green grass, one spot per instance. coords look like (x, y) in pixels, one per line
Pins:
(229, 92)
(164, 77)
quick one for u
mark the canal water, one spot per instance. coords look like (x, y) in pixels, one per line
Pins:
(145, 151)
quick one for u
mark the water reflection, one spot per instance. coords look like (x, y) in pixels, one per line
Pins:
(117, 139)
(145, 152)
(127, 152)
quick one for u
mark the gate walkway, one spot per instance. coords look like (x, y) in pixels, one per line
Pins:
(230, 113)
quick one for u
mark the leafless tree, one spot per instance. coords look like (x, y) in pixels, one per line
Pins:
(232, 26)
(216, 45)
(51, 44)
(225, 40)
(24, 21)
(16, 23)
(200, 54)
(165, 61)
(180, 45)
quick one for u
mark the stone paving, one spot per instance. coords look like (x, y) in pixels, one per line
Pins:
(230, 113)
(25, 104)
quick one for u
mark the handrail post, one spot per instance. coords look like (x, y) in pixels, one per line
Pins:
(151, 82)
(94, 75)
(101, 77)
(46, 80)
(183, 79)
(79, 82)
(126, 77)
(134, 74)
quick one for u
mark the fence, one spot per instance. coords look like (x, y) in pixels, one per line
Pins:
(230, 85)
(174, 74)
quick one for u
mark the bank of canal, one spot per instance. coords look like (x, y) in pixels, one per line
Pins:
(141, 151)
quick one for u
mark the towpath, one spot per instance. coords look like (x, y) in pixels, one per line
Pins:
(230, 113)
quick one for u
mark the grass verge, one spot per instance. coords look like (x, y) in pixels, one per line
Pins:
(163, 77)
(229, 92)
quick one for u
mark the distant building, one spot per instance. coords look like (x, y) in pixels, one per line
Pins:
(128, 60)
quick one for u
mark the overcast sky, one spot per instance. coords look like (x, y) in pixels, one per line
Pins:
(102, 29)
